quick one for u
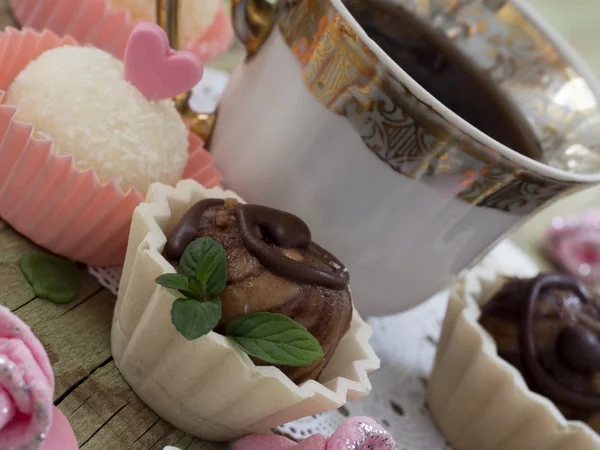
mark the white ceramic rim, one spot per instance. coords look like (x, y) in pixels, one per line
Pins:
(555, 39)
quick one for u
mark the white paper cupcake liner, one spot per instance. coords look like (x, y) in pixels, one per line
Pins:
(208, 387)
(480, 401)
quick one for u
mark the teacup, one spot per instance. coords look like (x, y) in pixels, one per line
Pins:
(410, 135)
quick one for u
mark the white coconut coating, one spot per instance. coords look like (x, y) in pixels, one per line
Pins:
(78, 97)
(195, 15)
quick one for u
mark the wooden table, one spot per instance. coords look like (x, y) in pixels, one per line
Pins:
(104, 412)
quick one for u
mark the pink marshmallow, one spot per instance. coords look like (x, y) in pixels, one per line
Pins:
(358, 433)
(26, 392)
(574, 244)
(60, 436)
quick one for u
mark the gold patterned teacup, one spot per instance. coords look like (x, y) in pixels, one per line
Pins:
(409, 134)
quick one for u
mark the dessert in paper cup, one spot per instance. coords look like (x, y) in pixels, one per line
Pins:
(80, 143)
(235, 376)
(518, 356)
(205, 24)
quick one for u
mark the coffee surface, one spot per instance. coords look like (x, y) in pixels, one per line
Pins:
(430, 58)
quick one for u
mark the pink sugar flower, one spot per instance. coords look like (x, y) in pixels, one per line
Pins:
(574, 244)
(28, 418)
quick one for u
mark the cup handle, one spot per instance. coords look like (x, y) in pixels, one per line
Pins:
(201, 124)
(253, 21)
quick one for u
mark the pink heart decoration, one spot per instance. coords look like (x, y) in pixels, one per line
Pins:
(358, 433)
(574, 244)
(154, 68)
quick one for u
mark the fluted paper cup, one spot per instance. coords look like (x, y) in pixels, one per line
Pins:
(208, 387)
(43, 196)
(95, 22)
(480, 401)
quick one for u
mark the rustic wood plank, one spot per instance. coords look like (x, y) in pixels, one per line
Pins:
(78, 339)
(104, 411)
(13, 292)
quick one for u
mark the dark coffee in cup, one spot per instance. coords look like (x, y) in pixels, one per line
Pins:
(431, 60)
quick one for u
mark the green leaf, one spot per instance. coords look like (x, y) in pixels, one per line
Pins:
(194, 319)
(174, 281)
(275, 339)
(196, 288)
(205, 259)
(51, 277)
(212, 270)
(179, 282)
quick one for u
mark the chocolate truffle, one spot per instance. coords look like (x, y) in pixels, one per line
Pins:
(548, 327)
(272, 266)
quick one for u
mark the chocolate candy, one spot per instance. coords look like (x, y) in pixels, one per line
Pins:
(549, 328)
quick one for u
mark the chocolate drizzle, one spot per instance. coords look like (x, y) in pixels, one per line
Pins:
(576, 345)
(264, 231)
(187, 228)
(286, 231)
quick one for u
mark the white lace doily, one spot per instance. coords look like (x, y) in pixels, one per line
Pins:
(406, 344)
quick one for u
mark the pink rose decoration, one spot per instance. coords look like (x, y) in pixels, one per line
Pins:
(358, 433)
(574, 244)
(26, 392)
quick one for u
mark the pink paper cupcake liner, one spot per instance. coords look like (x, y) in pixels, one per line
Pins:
(94, 22)
(44, 197)
(216, 40)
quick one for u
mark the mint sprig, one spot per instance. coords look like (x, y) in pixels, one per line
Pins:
(202, 276)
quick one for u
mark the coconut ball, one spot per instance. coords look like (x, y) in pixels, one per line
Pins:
(78, 98)
(195, 16)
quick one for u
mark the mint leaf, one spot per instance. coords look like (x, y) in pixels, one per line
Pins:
(174, 281)
(179, 282)
(196, 288)
(205, 260)
(275, 339)
(52, 278)
(212, 269)
(194, 319)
